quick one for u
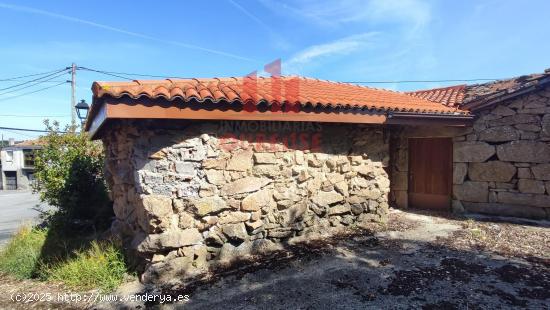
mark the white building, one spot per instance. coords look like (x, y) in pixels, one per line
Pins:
(18, 165)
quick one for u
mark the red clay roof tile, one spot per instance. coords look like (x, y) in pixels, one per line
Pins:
(470, 96)
(274, 90)
(451, 96)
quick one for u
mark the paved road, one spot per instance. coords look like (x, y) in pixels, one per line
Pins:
(16, 208)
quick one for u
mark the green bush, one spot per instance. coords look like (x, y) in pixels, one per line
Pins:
(44, 254)
(69, 175)
(100, 266)
(21, 255)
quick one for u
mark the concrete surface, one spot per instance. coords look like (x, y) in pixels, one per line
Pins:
(16, 208)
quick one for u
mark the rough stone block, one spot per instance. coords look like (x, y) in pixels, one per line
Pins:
(170, 240)
(524, 151)
(265, 158)
(208, 205)
(527, 135)
(496, 171)
(524, 173)
(472, 191)
(157, 211)
(528, 127)
(245, 185)
(185, 169)
(457, 207)
(541, 172)
(294, 213)
(502, 110)
(214, 163)
(472, 151)
(215, 177)
(502, 209)
(534, 104)
(531, 186)
(499, 134)
(460, 170)
(258, 200)
(327, 198)
(542, 201)
(339, 209)
(514, 119)
(236, 232)
(233, 217)
(186, 220)
(240, 161)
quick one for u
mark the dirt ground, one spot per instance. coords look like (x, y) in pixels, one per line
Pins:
(416, 261)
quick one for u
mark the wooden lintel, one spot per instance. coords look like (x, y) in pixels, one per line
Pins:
(123, 110)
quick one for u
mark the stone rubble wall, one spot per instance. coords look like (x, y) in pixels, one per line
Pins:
(501, 164)
(190, 194)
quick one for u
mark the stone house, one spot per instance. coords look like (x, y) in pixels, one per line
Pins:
(205, 170)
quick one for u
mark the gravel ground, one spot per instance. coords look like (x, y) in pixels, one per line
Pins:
(415, 262)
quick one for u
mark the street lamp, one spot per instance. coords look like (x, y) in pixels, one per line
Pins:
(82, 110)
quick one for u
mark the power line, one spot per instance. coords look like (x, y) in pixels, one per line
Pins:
(32, 92)
(32, 84)
(29, 75)
(34, 80)
(113, 73)
(18, 133)
(21, 115)
(24, 129)
(54, 81)
(32, 130)
(126, 75)
(105, 72)
(418, 81)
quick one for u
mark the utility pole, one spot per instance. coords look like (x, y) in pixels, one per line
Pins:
(73, 93)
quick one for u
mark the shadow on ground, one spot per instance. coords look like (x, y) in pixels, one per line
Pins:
(372, 269)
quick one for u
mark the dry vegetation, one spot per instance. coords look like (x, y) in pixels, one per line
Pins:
(531, 243)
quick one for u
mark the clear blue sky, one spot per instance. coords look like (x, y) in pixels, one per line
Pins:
(336, 40)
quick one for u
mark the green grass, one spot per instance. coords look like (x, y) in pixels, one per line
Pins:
(20, 256)
(50, 256)
(99, 266)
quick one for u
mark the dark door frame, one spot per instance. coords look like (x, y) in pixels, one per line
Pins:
(14, 178)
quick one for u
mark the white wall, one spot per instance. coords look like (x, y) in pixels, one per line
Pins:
(17, 160)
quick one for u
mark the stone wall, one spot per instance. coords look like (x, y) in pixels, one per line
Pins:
(501, 164)
(190, 195)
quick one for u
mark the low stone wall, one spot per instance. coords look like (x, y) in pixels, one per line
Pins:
(190, 194)
(501, 165)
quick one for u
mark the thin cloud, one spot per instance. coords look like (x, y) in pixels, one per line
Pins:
(118, 30)
(339, 13)
(250, 15)
(280, 41)
(315, 53)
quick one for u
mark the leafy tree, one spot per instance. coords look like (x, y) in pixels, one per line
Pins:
(69, 175)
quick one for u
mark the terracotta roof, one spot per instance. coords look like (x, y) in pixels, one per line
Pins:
(36, 142)
(472, 96)
(300, 90)
(492, 90)
(451, 96)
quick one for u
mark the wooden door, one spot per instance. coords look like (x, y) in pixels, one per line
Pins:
(430, 173)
